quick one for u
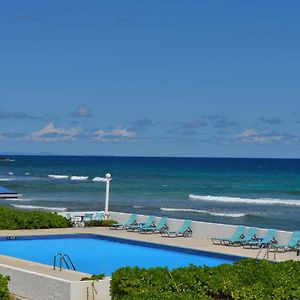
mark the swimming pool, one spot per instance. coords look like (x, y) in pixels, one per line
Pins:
(96, 254)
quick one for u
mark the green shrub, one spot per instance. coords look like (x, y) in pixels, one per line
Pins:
(4, 293)
(243, 280)
(93, 277)
(102, 223)
(17, 219)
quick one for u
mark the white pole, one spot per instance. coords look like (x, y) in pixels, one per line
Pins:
(108, 178)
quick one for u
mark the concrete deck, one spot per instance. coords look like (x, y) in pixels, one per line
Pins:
(192, 243)
(41, 268)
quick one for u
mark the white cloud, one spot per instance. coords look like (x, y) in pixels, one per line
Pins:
(115, 135)
(50, 133)
(251, 136)
(247, 133)
(82, 112)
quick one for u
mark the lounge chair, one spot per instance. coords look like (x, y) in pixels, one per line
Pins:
(69, 217)
(161, 226)
(99, 216)
(73, 221)
(149, 222)
(131, 221)
(263, 242)
(249, 236)
(184, 231)
(238, 234)
(87, 217)
(290, 245)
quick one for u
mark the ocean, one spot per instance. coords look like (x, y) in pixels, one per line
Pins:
(257, 192)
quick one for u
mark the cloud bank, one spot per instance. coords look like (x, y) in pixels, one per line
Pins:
(116, 135)
(51, 134)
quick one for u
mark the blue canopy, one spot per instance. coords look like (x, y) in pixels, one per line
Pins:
(4, 190)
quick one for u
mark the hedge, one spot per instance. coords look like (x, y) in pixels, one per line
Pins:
(17, 219)
(246, 279)
(4, 293)
(100, 223)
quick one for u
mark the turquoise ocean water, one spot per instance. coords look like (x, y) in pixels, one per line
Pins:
(260, 192)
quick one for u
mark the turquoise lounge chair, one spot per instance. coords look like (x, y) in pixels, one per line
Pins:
(87, 217)
(263, 242)
(161, 226)
(149, 222)
(238, 234)
(249, 236)
(184, 231)
(290, 245)
(99, 216)
(131, 221)
(69, 217)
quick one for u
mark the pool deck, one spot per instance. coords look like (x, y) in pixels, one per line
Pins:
(191, 243)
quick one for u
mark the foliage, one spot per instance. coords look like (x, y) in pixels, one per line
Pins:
(246, 279)
(17, 219)
(4, 293)
(93, 277)
(102, 223)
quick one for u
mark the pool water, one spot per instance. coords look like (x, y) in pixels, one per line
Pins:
(98, 255)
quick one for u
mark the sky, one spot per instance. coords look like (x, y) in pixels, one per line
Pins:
(150, 78)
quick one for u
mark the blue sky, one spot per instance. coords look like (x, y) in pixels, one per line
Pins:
(153, 78)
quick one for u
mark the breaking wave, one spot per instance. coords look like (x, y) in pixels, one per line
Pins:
(79, 178)
(39, 207)
(99, 179)
(217, 214)
(17, 199)
(58, 176)
(6, 179)
(259, 201)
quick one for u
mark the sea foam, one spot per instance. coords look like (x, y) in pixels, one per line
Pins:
(99, 179)
(6, 179)
(58, 176)
(79, 178)
(229, 215)
(17, 199)
(259, 201)
(39, 207)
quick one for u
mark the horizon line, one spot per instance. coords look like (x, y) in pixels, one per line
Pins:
(145, 156)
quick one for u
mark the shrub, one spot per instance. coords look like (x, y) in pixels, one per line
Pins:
(17, 219)
(246, 279)
(4, 293)
(93, 277)
(102, 223)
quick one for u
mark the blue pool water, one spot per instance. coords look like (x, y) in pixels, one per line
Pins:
(98, 255)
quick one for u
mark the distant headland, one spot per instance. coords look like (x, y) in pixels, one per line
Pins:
(5, 159)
